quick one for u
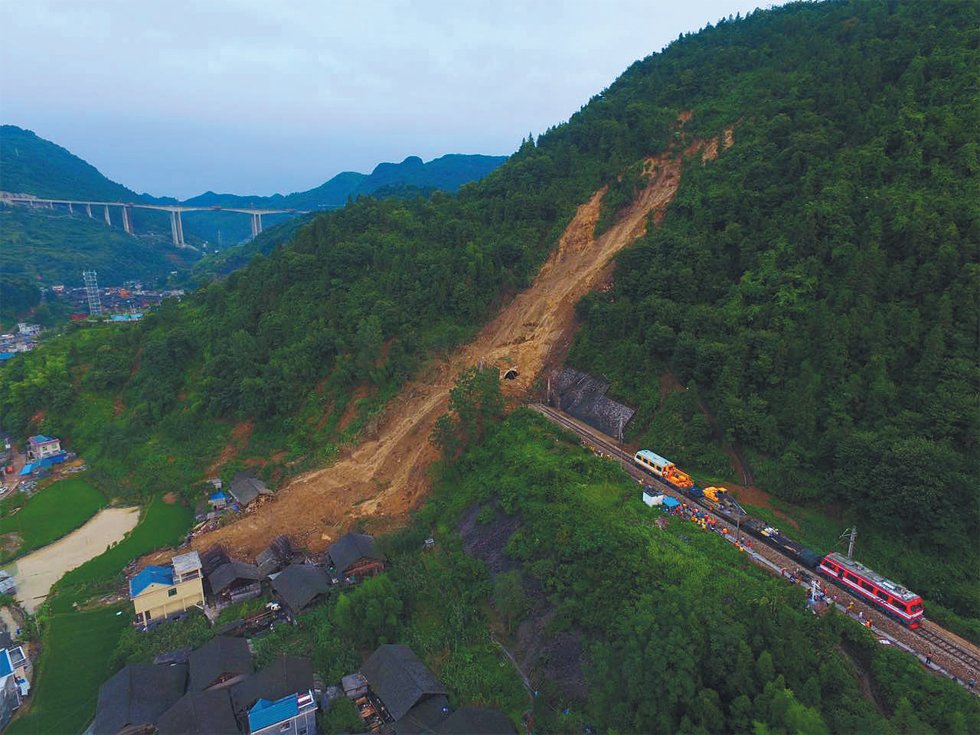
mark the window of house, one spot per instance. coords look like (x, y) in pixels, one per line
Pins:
(172, 592)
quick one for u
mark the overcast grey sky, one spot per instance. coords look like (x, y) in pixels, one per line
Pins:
(264, 96)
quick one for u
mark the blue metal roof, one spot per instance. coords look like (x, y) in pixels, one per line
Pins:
(265, 713)
(671, 502)
(5, 666)
(220, 495)
(27, 469)
(150, 575)
(41, 439)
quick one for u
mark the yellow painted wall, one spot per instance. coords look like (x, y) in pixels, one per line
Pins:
(156, 599)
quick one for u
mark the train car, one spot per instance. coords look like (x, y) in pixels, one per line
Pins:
(664, 469)
(896, 601)
(781, 542)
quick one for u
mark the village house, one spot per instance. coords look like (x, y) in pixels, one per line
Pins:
(159, 592)
(219, 663)
(40, 447)
(200, 713)
(134, 698)
(294, 714)
(354, 556)
(14, 685)
(246, 487)
(415, 700)
(299, 585)
(477, 721)
(233, 581)
(285, 676)
(278, 555)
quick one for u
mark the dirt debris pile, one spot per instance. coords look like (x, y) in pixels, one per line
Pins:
(387, 474)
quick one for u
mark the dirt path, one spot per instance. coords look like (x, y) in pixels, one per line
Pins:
(35, 573)
(387, 474)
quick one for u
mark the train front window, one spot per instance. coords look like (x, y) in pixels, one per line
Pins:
(916, 609)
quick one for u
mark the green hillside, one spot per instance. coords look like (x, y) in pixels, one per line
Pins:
(32, 165)
(816, 286)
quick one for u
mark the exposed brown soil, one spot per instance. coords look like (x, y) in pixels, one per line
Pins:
(387, 474)
(10, 542)
(752, 495)
(350, 412)
(238, 441)
(170, 498)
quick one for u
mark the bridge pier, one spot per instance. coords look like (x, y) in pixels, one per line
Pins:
(256, 223)
(70, 210)
(88, 210)
(107, 220)
(176, 228)
(127, 219)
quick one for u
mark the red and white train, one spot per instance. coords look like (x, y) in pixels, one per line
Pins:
(891, 597)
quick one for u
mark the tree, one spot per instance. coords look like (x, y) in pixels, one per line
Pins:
(370, 614)
(474, 402)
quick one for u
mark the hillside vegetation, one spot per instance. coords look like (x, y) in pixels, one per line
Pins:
(32, 165)
(818, 288)
(830, 332)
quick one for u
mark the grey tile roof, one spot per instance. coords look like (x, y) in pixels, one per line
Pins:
(200, 713)
(400, 678)
(221, 655)
(476, 721)
(351, 547)
(425, 717)
(286, 675)
(137, 695)
(226, 574)
(246, 487)
(299, 584)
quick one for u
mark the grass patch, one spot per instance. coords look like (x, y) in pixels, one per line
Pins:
(162, 525)
(77, 652)
(50, 514)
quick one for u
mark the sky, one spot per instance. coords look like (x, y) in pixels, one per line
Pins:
(259, 96)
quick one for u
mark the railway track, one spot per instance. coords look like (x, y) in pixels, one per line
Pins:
(964, 656)
(949, 647)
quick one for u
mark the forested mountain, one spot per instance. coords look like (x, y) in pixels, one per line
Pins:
(446, 173)
(30, 164)
(816, 286)
(815, 289)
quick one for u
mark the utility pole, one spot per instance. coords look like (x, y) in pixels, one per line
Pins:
(852, 533)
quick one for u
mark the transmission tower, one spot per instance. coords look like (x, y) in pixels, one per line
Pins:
(92, 292)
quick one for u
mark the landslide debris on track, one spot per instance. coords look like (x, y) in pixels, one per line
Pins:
(387, 474)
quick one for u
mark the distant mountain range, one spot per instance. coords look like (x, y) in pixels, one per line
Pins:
(49, 246)
(30, 164)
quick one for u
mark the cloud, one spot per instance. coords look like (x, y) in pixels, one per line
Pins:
(351, 83)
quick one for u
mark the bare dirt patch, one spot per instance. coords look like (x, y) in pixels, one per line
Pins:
(350, 412)
(35, 573)
(10, 542)
(238, 441)
(170, 498)
(387, 474)
(751, 495)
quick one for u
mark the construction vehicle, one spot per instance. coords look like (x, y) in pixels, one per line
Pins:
(718, 498)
